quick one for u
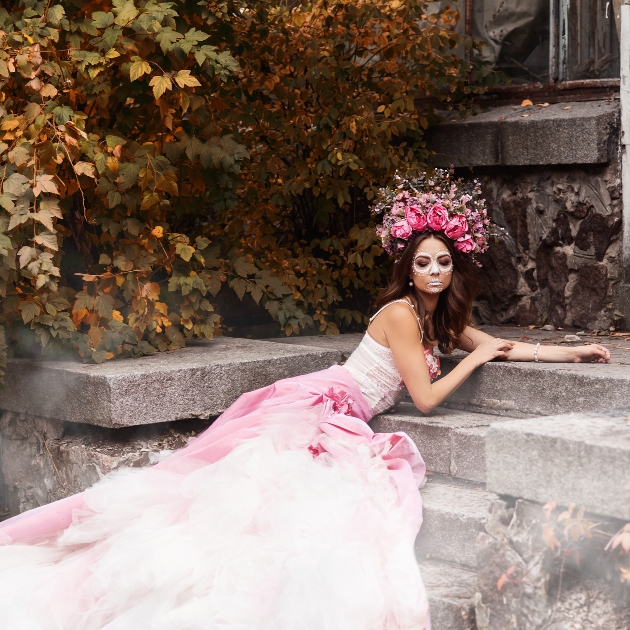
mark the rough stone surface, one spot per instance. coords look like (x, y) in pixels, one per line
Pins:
(453, 516)
(574, 458)
(575, 133)
(344, 344)
(554, 222)
(450, 590)
(540, 389)
(44, 460)
(199, 381)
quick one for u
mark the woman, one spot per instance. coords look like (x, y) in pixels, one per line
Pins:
(288, 512)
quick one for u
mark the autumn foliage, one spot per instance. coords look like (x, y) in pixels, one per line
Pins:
(155, 151)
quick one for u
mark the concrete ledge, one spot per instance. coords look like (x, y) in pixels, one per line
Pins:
(199, 381)
(540, 389)
(564, 133)
(574, 458)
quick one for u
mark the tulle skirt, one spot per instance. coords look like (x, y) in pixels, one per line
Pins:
(288, 513)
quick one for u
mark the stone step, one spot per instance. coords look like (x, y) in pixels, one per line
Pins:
(453, 516)
(515, 389)
(581, 458)
(451, 442)
(199, 381)
(450, 590)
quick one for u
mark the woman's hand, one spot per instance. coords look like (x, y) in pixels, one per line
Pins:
(491, 349)
(593, 353)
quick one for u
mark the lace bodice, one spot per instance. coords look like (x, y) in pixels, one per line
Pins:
(372, 367)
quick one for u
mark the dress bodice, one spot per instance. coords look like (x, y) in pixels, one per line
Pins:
(372, 367)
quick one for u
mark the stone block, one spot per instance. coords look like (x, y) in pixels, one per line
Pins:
(453, 516)
(451, 442)
(468, 453)
(540, 389)
(45, 460)
(564, 133)
(450, 590)
(199, 381)
(581, 458)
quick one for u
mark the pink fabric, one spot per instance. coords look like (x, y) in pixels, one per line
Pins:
(242, 421)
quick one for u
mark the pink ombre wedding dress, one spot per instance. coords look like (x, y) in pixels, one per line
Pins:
(288, 513)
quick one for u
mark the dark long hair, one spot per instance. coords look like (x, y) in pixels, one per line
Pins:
(454, 306)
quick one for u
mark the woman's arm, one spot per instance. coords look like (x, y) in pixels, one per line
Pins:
(472, 338)
(399, 327)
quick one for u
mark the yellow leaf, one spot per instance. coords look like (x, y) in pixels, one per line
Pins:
(158, 231)
(109, 355)
(160, 85)
(49, 91)
(10, 124)
(138, 68)
(526, 102)
(183, 79)
(117, 316)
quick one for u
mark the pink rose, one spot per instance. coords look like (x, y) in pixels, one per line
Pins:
(401, 229)
(465, 244)
(437, 217)
(416, 218)
(456, 227)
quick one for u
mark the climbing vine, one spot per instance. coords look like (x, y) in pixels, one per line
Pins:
(153, 152)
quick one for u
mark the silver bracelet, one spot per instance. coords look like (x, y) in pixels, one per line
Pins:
(536, 352)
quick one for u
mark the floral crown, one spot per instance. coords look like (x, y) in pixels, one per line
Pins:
(433, 203)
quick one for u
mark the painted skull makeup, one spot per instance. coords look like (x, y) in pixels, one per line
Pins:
(435, 266)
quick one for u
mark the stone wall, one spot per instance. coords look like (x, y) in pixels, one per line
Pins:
(558, 258)
(552, 181)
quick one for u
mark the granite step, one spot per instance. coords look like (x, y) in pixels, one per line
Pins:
(581, 458)
(450, 590)
(451, 442)
(453, 515)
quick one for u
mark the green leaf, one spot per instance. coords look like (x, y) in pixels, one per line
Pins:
(62, 114)
(7, 202)
(167, 37)
(184, 251)
(32, 111)
(54, 14)
(104, 259)
(83, 301)
(243, 268)
(29, 311)
(4, 69)
(104, 305)
(160, 85)
(138, 68)
(102, 19)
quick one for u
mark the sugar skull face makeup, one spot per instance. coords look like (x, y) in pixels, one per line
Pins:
(432, 267)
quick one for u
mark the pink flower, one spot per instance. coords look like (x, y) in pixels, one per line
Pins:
(437, 217)
(456, 227)
(341, 401)
(465, 244)
(401, 229)
(416, 218)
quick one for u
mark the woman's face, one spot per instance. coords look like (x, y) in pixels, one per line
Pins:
(432, 267)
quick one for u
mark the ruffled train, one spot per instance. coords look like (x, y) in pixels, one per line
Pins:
(288, 513)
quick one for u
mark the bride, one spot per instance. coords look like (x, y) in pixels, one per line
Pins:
(288, 513)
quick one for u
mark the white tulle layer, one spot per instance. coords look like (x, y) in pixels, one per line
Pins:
(267, 538)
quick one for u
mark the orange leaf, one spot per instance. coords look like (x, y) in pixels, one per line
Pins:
(158, 231)
(526, 102)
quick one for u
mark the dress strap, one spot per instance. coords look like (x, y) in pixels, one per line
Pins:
(413, 308)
